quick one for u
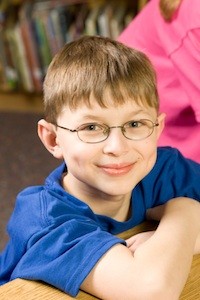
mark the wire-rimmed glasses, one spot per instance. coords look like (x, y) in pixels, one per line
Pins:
(95, 133)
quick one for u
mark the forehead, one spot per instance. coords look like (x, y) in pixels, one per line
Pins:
(112, 112)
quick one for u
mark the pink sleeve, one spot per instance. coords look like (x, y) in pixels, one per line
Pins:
(186, 60)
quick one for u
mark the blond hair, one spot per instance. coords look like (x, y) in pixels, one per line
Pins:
(91, 65)
(168, 8)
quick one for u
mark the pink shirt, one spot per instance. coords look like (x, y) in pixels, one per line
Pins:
(174, 49)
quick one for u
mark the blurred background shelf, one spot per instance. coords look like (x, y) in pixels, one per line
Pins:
(33, 31)
(23, 102)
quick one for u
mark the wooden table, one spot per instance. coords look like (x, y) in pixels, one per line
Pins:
(21, 289)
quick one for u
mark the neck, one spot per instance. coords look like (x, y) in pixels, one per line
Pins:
(116, 207)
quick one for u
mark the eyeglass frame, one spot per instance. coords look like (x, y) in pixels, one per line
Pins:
(122, 127)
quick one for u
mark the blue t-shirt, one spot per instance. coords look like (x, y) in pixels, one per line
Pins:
(56, 238)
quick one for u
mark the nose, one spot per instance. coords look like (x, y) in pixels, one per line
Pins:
(116, 143)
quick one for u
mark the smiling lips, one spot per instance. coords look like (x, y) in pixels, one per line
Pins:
(116, 169)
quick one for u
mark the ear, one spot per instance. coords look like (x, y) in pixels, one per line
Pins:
(47, 134)
(161, 121)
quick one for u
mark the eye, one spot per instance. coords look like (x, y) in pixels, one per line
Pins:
(134, 124)
(90, 127)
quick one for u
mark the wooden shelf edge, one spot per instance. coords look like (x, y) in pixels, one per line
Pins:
(21, 102)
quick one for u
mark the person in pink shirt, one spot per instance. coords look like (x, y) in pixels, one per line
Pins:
(168, 31)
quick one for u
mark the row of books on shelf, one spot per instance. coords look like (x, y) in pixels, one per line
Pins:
(31, 36)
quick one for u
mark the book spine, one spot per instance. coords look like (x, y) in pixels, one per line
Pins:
(30, 48)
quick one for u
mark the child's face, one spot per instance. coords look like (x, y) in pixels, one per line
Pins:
(114, 166)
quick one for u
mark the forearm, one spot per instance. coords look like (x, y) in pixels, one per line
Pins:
(171, 248)
(197, 245)
(157, 213)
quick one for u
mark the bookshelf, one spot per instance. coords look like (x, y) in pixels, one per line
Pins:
(32, 31)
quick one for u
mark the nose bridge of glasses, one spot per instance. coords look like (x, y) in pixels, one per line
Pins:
(119, 126)
(108, 130)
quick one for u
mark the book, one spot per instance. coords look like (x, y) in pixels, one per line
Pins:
(103, 20)
(12, 70)
(3, 79)
(30, 46)
(81, 16)
(39, 32)
(56, 37)
(9, 76)
(117, 19)
(91, 22)
(22, 63)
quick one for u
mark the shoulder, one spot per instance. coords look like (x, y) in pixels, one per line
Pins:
(167, 154)
(172, 155)
(32, 205)
(172, 161)
(172, 176)
(26, 216)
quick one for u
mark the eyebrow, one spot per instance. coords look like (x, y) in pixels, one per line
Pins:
(98, 118)
(85, 117)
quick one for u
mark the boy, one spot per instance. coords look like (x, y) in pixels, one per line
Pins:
(102, 118)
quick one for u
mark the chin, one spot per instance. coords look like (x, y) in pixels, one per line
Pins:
(116, 191)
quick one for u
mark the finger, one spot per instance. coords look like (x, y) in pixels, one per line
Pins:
(130, 241)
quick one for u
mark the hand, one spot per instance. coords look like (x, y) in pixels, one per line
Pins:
(135, 241)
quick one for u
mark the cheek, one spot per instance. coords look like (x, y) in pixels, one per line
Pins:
(79, 155)
(149, 153)
(151, 159)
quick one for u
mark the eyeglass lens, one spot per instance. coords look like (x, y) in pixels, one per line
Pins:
(133, 130)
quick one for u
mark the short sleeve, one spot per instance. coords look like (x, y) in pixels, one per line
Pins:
(53, 243)
(62, 262)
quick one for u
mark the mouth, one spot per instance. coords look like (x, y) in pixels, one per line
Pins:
(117, 169)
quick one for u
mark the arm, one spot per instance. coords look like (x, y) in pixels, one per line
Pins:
(159, 267)
(156, 214)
